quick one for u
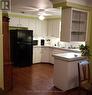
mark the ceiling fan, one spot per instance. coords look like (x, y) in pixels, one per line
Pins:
(45, 12)
(41, 12)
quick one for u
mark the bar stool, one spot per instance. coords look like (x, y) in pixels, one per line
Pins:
(84, 77)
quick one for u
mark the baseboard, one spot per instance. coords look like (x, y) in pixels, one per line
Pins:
(43, 63)
(2, 92)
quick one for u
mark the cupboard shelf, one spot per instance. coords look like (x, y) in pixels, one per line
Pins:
(77, 32)
(77, 21)
(74, 24)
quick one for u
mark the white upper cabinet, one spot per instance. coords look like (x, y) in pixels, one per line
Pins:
(31, 25)
(44, 28)
(18, 21)
(39, 27)
(24, 22)
(14, 21)
(74, 25)
(53, 27)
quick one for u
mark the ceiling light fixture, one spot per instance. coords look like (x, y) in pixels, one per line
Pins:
(41, 17)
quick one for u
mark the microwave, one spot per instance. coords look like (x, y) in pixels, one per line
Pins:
(35, 42)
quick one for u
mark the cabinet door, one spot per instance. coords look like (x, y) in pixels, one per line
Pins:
(37, 27)
(31, 26)
(66, 24)
(14, 21)
(74, 24)
(51, 58)
(18, 22)
(43, 28)
(45, 54)
(53, 27)
(65, 74)
(36, 54)
(72, 76)
(79, 25)
(23, 22)
(49, 27)
(54, 51)
(56, 28)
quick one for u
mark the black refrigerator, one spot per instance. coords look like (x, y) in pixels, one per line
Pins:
(21, 45)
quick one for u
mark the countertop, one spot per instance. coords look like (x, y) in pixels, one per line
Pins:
(60, 48)
(69, 56)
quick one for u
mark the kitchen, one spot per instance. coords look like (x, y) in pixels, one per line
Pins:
(47, 31)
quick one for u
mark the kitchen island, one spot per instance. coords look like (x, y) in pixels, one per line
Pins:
(66, 70)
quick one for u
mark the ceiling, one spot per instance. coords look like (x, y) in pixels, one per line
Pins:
(34, 7)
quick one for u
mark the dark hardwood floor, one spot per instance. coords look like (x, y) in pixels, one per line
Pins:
(36, 80)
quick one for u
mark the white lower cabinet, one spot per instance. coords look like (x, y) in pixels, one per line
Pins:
(51, 59)
(41, 54)
(36, 55)
(45, 52)
(55, 51)
(65, 74)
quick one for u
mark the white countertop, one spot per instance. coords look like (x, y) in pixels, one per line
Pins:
(69, 56)
(60, 48)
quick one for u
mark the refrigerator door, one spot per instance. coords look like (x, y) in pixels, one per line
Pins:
(21, 47)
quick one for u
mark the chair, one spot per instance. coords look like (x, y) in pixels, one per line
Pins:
(84, 77)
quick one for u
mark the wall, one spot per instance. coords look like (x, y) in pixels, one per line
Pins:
(81, 2)
(1, 53)
(58, 1)
(57, 42)
(90, 38)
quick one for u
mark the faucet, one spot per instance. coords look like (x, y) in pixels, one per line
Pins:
(58, 44)
(71, 46)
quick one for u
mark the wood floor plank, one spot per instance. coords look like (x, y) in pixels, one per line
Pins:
(36, 80)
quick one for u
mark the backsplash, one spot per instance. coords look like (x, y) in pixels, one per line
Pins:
(52, 41)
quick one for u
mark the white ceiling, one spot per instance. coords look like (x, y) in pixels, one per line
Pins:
(34, 7)
(45, 7)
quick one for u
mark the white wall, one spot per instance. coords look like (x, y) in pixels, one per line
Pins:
(1, 53)
(1, 62)
(59, 1)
